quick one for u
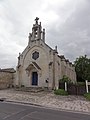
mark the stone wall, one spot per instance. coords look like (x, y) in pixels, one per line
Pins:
(6, 78)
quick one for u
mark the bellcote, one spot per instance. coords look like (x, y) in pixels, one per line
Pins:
(37, 32)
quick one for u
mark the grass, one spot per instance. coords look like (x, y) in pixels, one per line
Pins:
(87, 96)
(60, 92)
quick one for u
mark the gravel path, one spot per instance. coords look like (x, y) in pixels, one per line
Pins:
(48, 99)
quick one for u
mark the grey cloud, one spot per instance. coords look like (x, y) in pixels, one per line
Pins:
(73, 36)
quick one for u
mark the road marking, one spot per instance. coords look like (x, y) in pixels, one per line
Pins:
(28, 115)
(14, 113)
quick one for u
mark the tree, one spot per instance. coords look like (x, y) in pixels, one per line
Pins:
(82, 67)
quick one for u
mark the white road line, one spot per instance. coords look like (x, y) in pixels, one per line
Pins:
(14, 113)
(28, 115)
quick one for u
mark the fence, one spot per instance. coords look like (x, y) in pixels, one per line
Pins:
(74, 89)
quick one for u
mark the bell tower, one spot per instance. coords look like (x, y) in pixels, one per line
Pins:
(37, 33)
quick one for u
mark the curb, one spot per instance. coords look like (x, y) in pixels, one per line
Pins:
(26, 103)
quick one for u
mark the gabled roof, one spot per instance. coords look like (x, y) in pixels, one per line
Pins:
(34, 64)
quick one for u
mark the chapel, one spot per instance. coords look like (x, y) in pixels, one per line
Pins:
(41, 66)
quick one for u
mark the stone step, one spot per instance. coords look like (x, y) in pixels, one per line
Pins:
(30, 89)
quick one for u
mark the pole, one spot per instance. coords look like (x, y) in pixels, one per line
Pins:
(87, 86)
(65, 86)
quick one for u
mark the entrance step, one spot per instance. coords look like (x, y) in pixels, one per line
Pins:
(30, 89)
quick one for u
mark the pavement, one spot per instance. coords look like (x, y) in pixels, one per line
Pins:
(47, 99)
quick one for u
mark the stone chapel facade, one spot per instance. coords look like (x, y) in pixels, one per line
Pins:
(39, 65)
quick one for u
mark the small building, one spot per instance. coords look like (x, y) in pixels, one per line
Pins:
(39, 65)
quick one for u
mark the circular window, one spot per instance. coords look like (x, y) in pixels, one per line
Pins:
(35, 55)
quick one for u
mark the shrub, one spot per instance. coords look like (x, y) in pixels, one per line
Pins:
(65, 79)
(79, 83)
(87, 96)
(60, 92)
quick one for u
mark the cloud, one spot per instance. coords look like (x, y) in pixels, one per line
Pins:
(72, 36)
(67, 24)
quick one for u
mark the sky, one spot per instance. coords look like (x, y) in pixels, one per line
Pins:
(67, 25)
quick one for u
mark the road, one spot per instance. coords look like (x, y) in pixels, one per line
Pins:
(12, 111)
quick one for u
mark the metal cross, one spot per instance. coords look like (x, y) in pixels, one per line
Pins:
(36, 20)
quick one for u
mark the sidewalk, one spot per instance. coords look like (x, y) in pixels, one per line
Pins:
(48, 99)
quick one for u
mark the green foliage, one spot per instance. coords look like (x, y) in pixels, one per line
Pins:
(60, 92)
(80, 83)
(65, 79)
(82, 67)
(87, 96)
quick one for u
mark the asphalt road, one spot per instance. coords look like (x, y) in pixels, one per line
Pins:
(12, 111)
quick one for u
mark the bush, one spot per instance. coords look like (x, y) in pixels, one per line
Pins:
(87, 96)
(79, 83)
(65, 79)
(60, 92)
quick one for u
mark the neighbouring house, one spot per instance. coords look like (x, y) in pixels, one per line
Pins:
(39, 65)
(7, 77)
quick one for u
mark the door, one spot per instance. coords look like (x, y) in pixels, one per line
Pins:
(34, 78)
